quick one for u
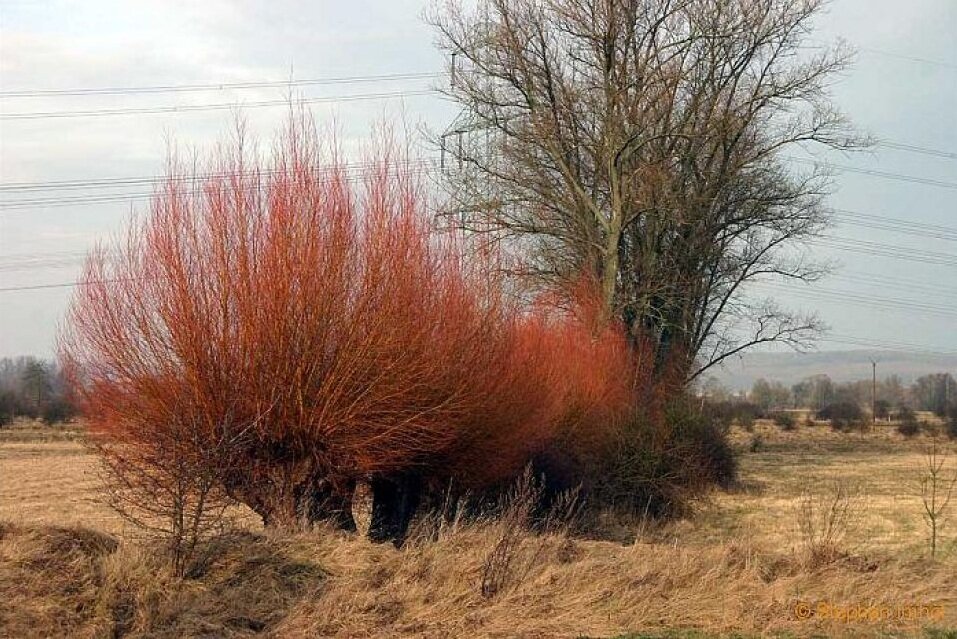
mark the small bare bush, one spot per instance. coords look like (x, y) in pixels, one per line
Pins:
(825, 520)
(936, 490)
(169, 489)
(514, 520)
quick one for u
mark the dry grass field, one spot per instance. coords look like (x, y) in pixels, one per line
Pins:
(739, 566)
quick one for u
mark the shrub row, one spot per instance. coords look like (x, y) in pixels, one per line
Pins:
(278, 334)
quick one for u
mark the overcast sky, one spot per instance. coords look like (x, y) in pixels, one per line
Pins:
(902, 89)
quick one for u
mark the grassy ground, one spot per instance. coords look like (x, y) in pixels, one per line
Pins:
(738, 567)
(48, 477)
(881, 468)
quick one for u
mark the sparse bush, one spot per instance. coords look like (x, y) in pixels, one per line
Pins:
(7, 407)
(951, 422)
(13, 404)
(656, 464)
(882, 409)
(908, 428)
(785, 421)
(824, 521)
(907, 422)
(756, 444)
(747, 423)
(930, 429)
(840, 425)
(721, 413)
(746, 413)
(705, 445)
(843, 416)
(322, 328)
(742, 413)
(57, 411)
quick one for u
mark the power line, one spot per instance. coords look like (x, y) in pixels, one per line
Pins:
(914, 148)
(865, 247)
(883, 174)
(859, 299)
(881, 302)
(161, 179)
(910, 58)
(887, 345)
(888, 253)
(910, 227)
(138, 196)
(910, 286)
(35, 115)
(37, 287)
(217, 86)
(58, 259)
(384, 77)
(140, 180)
(886, 279)
(126, 181)
(889, 250)
(902, 230)
(891, 54)
(354, 172)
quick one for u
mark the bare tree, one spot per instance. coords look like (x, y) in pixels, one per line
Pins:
(639, 143)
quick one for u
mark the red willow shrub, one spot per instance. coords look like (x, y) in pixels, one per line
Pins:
(288, 329)
(581, 387)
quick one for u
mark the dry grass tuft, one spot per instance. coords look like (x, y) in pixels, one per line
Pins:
(71, 582)
(45, 572)
(74, 582)
(596, 589)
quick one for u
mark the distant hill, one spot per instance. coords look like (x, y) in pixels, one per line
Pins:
(841, 366)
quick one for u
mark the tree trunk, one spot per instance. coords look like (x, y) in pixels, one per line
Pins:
(609, 272)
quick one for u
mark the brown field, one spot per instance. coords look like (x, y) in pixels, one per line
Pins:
(70, 567)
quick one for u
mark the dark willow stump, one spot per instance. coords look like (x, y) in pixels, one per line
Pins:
(334, 506)
(394, 502)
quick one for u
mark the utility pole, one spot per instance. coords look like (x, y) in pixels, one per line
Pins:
(873, 391)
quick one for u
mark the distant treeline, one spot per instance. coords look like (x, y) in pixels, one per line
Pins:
(33, 388)
(936, 392)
